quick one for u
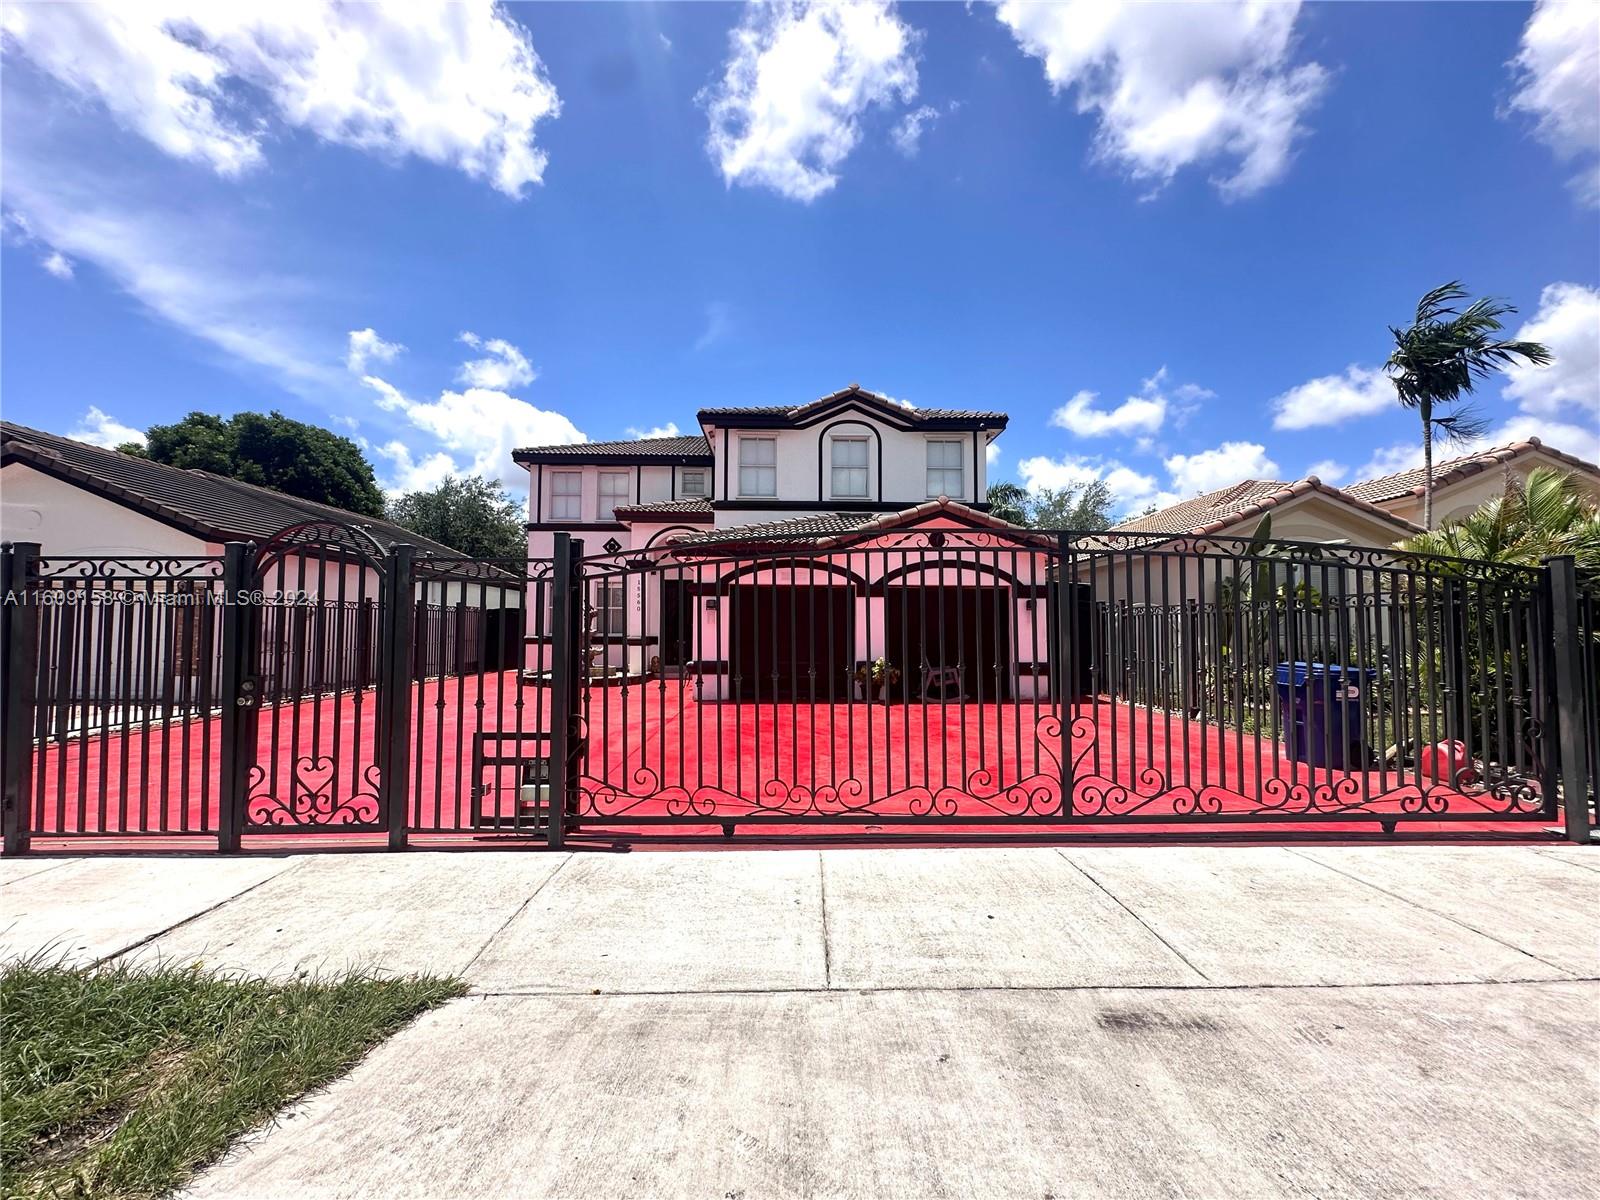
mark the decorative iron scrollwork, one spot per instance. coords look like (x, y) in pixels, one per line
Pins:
(313, 800)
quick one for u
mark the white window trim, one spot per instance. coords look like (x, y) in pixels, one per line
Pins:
(555, 497)
(961, 466)
(603, 608)
(865, 468)
(602, 499)
(739, 467)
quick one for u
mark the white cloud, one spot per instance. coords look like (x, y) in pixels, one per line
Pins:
(1041, 471)
(1143, 414)
(991, 454)
(58, 264)
(205, 276)
(1175, 85)
(670, 429)
(719, 323)
(1329, 471)
(458, 84)
(412, 474)
(1333, 399)
(475, 430)
(1558, 76)
(799, 76)
(907, 133)
(1136, 414)
(1388, 460)
(18, 230)
(367, 347)
(1580, 440)
(1127, 485)
(503, 365)
(1188, 475)
(1568, 321)
(1208, 470)
(666, 42)
(100, 428)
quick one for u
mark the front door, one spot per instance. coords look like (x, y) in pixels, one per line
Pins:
(675, 610)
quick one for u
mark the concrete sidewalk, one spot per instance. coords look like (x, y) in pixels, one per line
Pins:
(894, 1022)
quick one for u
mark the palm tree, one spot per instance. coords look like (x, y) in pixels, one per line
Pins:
(1438, 360)
(1008, 502)
(1549, 514)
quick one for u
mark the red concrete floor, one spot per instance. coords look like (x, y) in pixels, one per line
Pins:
(666, 770)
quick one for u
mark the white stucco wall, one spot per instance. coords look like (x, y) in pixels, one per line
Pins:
(66, 520)
(804, 461)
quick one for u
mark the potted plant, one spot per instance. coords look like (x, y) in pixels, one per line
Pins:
(873, 678)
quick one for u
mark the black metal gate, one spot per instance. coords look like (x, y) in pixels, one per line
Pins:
(1005, 678)
(315, 703)
(976, 677)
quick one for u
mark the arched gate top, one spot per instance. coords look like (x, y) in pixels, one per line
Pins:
(325, 538)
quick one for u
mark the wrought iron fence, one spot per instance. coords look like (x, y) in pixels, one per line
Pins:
(959, 676)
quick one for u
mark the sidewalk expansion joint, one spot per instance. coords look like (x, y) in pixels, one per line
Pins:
(590, 994)
(1117, 900)
(516, 912)
(195, 916)
(1454, 920)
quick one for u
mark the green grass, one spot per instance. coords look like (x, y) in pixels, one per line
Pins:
(122, 1082)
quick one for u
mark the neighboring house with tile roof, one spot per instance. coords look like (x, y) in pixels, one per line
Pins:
(77, 499)
(1461, 485)
(1302, 510)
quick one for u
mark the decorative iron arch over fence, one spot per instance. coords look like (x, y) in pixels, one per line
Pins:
(323, 683)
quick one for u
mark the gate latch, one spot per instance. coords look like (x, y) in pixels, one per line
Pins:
(247, 697)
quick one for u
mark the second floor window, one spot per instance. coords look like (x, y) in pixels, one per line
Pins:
(758, 466)
(944, 468)
(566, 495)
(692, 483)
(850, 467)
(614, 491)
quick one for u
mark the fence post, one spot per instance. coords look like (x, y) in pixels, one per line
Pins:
(19, 668)
(394, 683)
(238, 693)
(1567, 645)
(1066, 656)
(566, 616)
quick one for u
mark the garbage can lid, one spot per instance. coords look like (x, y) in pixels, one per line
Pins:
(1293, 672)
(1341, 672)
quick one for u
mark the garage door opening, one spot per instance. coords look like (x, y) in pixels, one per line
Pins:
(789, 642)
(952, 641)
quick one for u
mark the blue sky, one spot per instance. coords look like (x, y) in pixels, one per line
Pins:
(1166, 239)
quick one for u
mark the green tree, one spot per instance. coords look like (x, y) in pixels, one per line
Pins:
(1076, 506)
(1439, 358)
(470, 513)
(1086, 506)
(1009, 502)
(1549, 514)
(274, 451)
